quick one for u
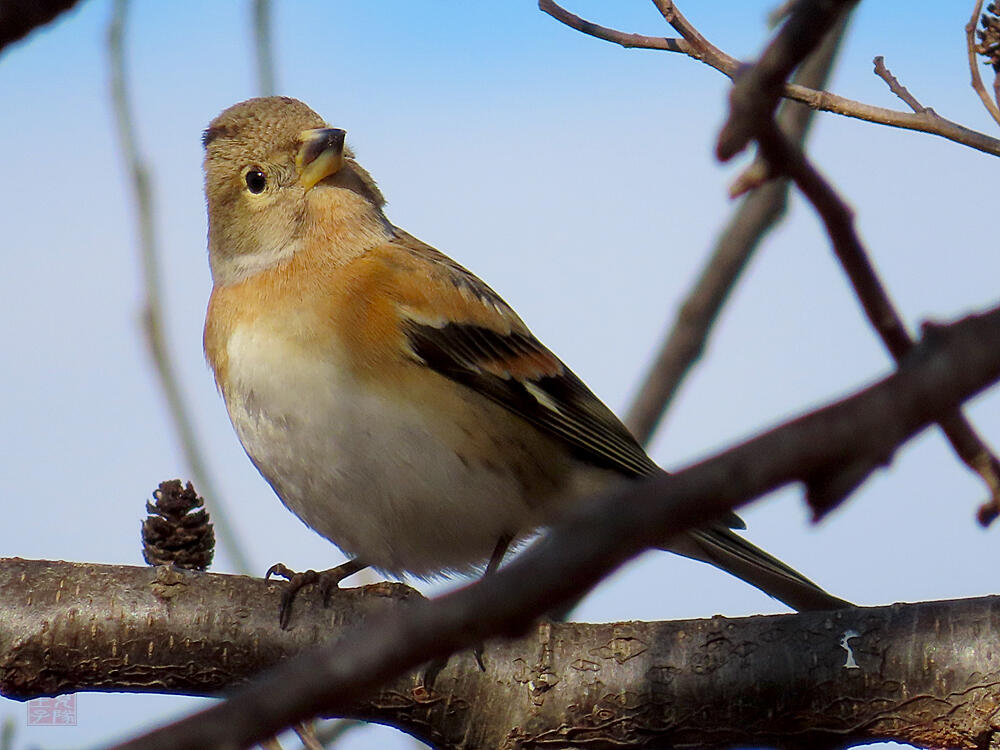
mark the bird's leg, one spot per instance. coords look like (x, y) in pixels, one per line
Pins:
(503, 544)
(328, 580)
(432, 670)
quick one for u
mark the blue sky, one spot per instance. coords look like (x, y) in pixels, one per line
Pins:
(575, 177)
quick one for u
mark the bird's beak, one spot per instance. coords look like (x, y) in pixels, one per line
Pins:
(320, 155)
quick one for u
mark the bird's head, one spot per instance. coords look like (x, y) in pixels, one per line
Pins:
(276, 175)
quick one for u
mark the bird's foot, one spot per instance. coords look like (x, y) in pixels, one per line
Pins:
(434, 667)
(328, 580)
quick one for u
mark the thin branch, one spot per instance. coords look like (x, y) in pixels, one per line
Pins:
(263, 47)
(838, 219)
(752, 100)
(927, 121)
(624, 38)
(701, 48)
(756, 216)
(895, 86)
(952, 364)
(977, 80)
(695, 320)
(152, 312)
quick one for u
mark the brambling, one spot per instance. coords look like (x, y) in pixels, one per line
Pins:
(394, 401)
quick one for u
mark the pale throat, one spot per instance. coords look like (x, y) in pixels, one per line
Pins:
(343, 223)
(340, 224)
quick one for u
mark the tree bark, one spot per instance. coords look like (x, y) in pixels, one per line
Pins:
(926, 674)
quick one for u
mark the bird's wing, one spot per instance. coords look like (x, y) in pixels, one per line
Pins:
(456, 325)
(459, 327)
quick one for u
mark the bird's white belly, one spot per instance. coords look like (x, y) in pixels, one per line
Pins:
(375, 475)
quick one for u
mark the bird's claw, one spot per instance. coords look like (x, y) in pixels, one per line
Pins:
(328, 580)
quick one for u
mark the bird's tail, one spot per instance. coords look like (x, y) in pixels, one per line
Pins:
(725, 549)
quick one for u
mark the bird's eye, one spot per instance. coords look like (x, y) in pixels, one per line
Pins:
(256, 181)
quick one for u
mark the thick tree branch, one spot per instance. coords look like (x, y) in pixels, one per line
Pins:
(67, 627)
(927, 121)
(843, 441)
(71, 626)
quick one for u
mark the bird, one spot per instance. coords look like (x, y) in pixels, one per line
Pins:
(393, 401)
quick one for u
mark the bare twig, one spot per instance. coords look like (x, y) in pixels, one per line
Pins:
(152, 313)
(927, 121)
(839, 222)
(262, 46)
(695, 320)
(895, 86)
(977, 81)
(752, 100)
(958, 361)
(685, 343)
(624, 38)
(750, 118)
(701, 48)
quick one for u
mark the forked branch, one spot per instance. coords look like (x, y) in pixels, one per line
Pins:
(694, 44)
(751, 117)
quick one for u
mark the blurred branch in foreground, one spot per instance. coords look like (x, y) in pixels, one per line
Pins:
(263, 47)
(152, 313)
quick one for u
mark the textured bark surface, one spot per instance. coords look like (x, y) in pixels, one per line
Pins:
(928, 674)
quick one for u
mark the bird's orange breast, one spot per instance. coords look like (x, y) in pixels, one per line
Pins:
(311, 303)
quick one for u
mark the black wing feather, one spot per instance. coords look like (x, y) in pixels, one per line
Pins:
(460, 351)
